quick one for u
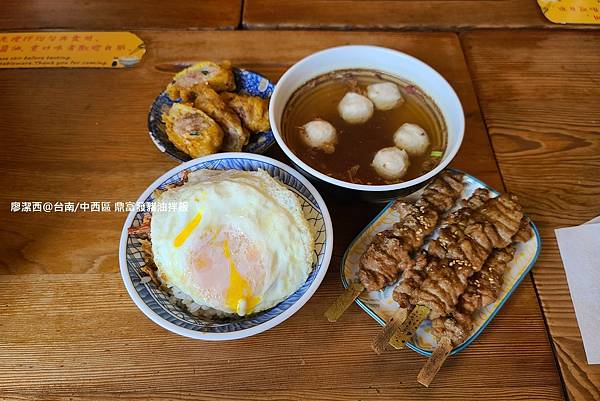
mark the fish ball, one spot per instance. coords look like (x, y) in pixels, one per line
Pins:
(412, 138)
(320, 134)
(355, 108)
(385, 95)
(391, 163)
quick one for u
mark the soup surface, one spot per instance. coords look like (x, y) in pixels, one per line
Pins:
(357, 143)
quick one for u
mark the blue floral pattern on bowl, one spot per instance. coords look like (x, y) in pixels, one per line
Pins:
(158, 301)
(247, 82)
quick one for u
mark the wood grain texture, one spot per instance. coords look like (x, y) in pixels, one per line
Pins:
(68, 328)
(540, 94)
(85, 335)
(110, 15)
(397, 14)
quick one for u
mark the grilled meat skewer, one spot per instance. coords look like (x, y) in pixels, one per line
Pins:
(389, 253)
(464, 244)
(483, 289)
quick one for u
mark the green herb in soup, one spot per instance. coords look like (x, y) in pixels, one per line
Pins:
(364, 127)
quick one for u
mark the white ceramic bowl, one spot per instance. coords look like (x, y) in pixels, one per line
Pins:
(155, 303)
(374, 58)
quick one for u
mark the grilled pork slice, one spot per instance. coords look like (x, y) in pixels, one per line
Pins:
(389, 253)
(485, 285)
(483, 289)
(461, 250)
(472, 234)
(417, 272)
(457, 327)
(524, 233)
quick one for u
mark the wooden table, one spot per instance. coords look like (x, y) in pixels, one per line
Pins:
(540, 95)
(397, 14)
(115, 15)
(69, 330)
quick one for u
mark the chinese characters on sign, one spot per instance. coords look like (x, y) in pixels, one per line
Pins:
(73, 207)
(571, 11)
(70, 49)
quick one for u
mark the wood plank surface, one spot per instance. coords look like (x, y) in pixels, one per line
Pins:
(86, 337)
(397, 14)
(111, 15)
(68, 328)
(540, 95)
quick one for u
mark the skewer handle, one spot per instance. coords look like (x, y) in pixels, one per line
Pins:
(381, 340)
(339, 306)
(435, 362)
(409, 327)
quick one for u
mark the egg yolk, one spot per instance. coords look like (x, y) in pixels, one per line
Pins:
(187, 230)
(239, 295)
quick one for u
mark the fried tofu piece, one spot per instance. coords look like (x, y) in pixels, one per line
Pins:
(192, 131)
(252, 110)
(217, 76)
(209, 101)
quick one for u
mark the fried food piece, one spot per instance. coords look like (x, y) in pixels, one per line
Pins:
(209, 101)
(252, 110)
(217, 76)
(192, 131)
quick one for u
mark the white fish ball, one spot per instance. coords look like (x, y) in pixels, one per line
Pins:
(385, 95)
(320, 134)
(411, 138)
(391, 163)
(355, 108)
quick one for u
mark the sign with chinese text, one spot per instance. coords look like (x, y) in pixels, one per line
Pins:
(70, 49)
(571, 11)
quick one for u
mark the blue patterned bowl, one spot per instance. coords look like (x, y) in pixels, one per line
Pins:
(155, 304)
(247, 82)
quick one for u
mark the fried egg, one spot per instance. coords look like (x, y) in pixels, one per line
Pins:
(243, 245)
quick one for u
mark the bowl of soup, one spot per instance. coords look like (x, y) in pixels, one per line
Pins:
(366, 121)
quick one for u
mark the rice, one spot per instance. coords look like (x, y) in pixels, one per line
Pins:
(185, 302)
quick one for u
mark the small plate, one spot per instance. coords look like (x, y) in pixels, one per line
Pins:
(247, 82)
(380, 305)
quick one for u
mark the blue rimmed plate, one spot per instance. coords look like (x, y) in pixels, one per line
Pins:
(155, 304)
(247, 82)
(380, 305)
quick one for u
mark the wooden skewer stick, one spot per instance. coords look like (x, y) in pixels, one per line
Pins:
(339, 306)
(409, 327)
(381, 340)
(435, 362)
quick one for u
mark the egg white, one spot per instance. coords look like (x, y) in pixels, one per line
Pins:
(242, 246)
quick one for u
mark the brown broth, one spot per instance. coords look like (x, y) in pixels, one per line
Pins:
(358, 143)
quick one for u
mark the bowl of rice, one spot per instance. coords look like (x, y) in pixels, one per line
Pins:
(154, 237)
